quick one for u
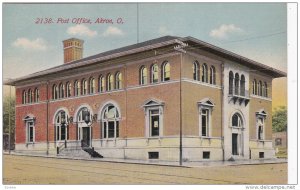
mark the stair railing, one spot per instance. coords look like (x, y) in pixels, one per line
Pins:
(61, 147)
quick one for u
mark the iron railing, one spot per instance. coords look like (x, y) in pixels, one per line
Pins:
(239, 92)
(61, 147)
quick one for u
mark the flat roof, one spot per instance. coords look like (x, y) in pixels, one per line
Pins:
(148, 45)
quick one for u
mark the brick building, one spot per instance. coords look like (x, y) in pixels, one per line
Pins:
(169, 98)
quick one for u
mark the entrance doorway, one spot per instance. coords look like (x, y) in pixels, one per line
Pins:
(85, 140)
(237, 137)
(234, 144)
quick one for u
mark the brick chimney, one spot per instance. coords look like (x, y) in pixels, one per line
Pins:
(73, 49)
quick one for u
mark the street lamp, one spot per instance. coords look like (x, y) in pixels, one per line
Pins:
(86, 116)
(63, 118)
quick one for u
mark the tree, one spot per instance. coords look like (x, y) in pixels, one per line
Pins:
(8, 111)
(279, 119)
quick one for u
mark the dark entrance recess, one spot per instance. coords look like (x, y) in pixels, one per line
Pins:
(234, 144)
(85, 136)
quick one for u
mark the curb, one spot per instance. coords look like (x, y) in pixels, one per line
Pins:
(186, 165)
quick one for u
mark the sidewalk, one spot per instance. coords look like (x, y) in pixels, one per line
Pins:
(165, 163)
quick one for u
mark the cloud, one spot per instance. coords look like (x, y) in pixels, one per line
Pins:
(164, 31)
(81, 30)
(224, 31)
(113, 31)
(37, 44)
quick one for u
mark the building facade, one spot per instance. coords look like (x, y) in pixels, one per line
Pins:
(169, 98)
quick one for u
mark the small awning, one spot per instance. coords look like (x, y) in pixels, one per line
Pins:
(206, 102)
(261, 112)
(153, 102)
(28, 118)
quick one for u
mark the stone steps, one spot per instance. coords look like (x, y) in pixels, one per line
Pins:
(74, 152)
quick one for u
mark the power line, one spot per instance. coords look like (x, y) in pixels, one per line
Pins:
(256, 37)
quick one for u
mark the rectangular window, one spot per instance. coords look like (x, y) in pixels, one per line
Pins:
(204, 122)
(261, 154)
(30, 135)
(206, 155)
(260, 128)
(154, 122)
(153, 155)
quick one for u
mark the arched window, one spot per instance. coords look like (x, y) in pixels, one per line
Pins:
(254, 87)
(204, 73)
(36, 95)
(110, 121)
(196, 70)
(101, 83)
(166, 71)
(231, 82)
(263, 89)
(143, 75)
(92, 86)
(109, 82)
(236, 121)
(118, 84)
(236, 83)
(84, 87)
(61, 90)
(212, 76)
(242, 91)
(266, 89)
(154, 73)
(54, 92)
(68, 92)
(76, 88)
(24, 97)
(259, 87)
(61, 126)
(30, 96)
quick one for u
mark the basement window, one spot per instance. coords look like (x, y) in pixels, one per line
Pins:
(261, 154)
(206, 155)
(153, 155)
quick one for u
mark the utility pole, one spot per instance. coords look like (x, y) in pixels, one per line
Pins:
(47, 119)
(180, 49)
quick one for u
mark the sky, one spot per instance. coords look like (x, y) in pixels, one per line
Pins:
(255, 30)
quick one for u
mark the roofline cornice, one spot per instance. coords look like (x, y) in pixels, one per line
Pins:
(13, 82)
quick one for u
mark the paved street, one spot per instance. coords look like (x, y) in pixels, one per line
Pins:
(38, 170)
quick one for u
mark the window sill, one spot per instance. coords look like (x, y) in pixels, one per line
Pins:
(154, 137)
(30, 143)
(110, 139)
(233, 127)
